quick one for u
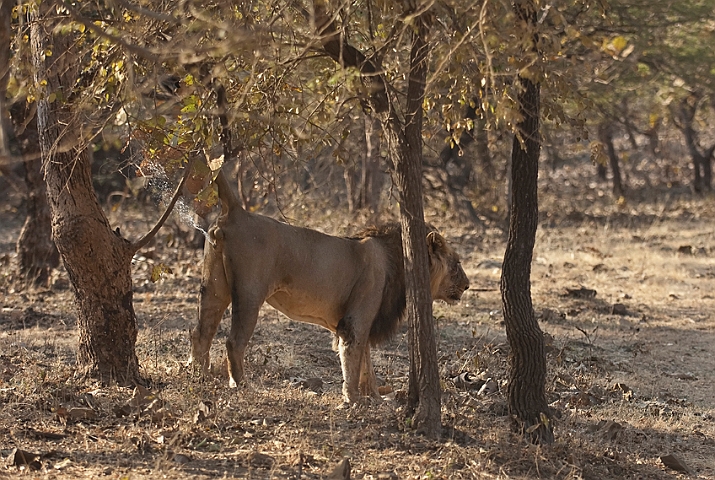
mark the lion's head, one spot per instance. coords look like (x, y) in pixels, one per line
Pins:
(447, 278)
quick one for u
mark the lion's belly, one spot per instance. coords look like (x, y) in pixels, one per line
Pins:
(305, 309)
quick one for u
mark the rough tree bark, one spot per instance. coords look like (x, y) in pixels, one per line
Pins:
(97, 260)
(404, 142)
(527, 375)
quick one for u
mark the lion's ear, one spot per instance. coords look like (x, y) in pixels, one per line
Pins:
(436, 243)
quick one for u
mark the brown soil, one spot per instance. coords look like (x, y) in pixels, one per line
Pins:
(631, 367)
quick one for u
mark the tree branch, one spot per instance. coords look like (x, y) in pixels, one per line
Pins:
(338, 48)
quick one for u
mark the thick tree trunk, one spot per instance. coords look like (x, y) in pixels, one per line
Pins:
(97, 260)
(527, 374)
(37, 254)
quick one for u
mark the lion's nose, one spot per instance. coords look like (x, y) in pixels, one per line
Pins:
(466, 287)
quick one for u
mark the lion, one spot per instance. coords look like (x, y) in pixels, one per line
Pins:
(354, 287)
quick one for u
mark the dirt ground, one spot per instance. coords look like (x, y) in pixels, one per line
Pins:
(624, 294)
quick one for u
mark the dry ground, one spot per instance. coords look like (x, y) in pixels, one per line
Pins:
(631, 369)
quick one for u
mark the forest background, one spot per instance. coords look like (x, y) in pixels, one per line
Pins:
(622, 268)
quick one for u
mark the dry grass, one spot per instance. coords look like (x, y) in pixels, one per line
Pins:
(630, 385)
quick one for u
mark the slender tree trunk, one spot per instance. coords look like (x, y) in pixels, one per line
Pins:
(350, 187)
(702, 162)
(404, 143)
(424, 392)
(653, 139)
(527, 373)
(605, 133)
(601, 171)
(6, 160)
(97, 260)
(691, 142)
(684, 116)
(5, 16)
(481, 142)
(708, 168)
(371, 179)
(37, 254)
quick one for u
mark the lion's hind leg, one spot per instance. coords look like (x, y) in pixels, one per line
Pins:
(214, 298)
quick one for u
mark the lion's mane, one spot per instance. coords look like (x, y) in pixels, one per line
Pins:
(393, 303)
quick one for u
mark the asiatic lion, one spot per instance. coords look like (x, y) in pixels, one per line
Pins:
(354, 287)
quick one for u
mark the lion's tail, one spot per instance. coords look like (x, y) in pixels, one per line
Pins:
(229, 198)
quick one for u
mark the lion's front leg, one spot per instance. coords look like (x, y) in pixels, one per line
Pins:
(368, 381)
(354, 349)
(243, 322)
(351, 361)
(214, 298)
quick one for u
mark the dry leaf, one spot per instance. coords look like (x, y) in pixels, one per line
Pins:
(203, 411)
(675, 463)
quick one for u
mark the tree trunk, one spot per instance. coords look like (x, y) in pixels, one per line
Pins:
(481, 142)
(5, 16)
(371, 178)
(37, 254)
(527, 375)
(6, 159)
(605, 133)
(424, 392)
(97, 260)
(404, 143)
(350, 187)
(702, 166)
